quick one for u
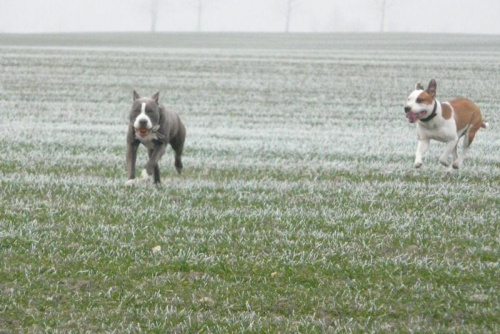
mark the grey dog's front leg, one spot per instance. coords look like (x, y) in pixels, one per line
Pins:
(131, 158)
(154, 158)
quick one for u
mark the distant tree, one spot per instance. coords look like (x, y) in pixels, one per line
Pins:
(201, 6)
(336, 18)
(383, 6)
(155, 4)
(289, 7)
(151, 6)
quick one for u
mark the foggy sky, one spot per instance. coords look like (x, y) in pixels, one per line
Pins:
(442, 16)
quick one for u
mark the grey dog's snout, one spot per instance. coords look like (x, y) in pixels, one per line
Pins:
(407, 109)
(143, 122)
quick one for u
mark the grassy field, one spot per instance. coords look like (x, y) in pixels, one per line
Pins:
(298, 209)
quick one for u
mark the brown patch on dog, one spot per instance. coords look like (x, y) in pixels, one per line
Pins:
(446, 110)
(472, 133)
(466, 113)
(425, 97)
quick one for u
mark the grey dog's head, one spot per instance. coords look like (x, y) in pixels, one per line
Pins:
(145, 114)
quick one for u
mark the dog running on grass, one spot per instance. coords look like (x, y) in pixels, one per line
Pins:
(155, 127)
(445, 122)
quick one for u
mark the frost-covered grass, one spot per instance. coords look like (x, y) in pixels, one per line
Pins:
(298, 211)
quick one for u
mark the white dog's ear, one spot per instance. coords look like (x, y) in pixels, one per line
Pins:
(136, 96)
(419, 86)
(156, 97)
(431, 89)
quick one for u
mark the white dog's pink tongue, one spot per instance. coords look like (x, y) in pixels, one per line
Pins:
(411, 117)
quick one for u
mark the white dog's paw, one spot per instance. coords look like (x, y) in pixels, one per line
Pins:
(144, 175)
(456, 164)
(417, 164)
(130, 183)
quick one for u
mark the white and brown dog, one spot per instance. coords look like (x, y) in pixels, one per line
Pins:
(445, 122)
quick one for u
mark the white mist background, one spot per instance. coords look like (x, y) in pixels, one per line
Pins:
(429, 16)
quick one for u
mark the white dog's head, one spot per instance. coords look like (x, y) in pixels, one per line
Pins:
(421, 103)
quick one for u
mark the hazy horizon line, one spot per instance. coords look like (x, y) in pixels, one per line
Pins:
(267, 32)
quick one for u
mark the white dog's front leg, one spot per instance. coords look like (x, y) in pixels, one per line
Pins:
(422, 147)
(450, 147)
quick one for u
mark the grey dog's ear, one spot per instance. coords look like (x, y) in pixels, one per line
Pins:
(419, 86)
(156, 97)
(136, 96)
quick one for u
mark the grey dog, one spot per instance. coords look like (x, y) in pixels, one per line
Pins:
(155, 127)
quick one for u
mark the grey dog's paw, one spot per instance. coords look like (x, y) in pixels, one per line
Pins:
(130, 183)
(145, 176)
